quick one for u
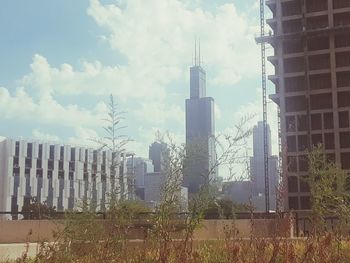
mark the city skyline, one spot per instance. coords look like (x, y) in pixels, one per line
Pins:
(56, 89)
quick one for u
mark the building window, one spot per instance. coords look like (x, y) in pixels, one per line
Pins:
(292, 184)
(342, 39)
(291, 8)
(304, 184)
(316, 5)
(342, 19)
(50, 165)
(343, 79)
(318, 43)
(29, 150)
(303, 164)
(292, 46)
(292, 26)
(294, 84)
(316, 121)
(329, 141)
(302, 123)
(344, 119)
(52, 152)
(28, 163)
(344, 99)
(302, 143)
(321, 101)
(344, 139)
(316, 139)
(39, 164)
(290, 123)
(317, 22)
(341, 3)
(320, 81)
(15, 161)
(320, 62)
(40, 154)
(328, 120)
(61, 152)
(345, 161)
(17, 148)
(72, 154)
(305, 202)
(72, 166)
(293, 203)
(291, 144)
(294, 65)
(292, 164)
(60, 165)
(296, 103)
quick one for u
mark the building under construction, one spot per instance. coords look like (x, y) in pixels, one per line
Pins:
(311, 42)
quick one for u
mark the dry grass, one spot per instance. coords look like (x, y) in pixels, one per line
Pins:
(320, 249)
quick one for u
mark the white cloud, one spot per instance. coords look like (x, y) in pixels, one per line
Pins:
(254, 109)
(217, 112)
(158, 113)
(92, 79)
(21, 106)
(85, 137)
(159, 34)
(156, 38)
(38, 134)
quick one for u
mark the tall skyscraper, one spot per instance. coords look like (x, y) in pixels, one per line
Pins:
(311, 41)
(257, 170)
(200, 132)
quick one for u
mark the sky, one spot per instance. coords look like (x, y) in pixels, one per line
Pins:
(61, 59)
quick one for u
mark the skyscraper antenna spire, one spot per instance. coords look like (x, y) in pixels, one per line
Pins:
(199, 61)
(195, 51)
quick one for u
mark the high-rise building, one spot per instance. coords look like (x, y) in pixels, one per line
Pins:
(139, 167)
(158, 153)
(311, 42)
(257, 170)
(200, 132)
(61, 175)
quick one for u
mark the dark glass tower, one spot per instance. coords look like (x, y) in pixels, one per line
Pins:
(200, 133)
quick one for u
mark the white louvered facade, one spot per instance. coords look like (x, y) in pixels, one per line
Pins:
(61, 175)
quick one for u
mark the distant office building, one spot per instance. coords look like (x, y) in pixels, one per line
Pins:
(61, 175)
(158, 153)
(200, 132)
(139, 167)
(154, 181)
(238, 191)
(257, 170)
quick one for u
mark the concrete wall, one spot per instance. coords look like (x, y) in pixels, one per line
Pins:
(21, 231)
(42, 230)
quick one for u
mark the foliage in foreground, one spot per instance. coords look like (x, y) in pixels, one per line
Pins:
(326, 249)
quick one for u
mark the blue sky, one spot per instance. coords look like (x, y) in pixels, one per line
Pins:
(61, 59)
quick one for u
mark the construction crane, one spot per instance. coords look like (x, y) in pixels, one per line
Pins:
(264, 98)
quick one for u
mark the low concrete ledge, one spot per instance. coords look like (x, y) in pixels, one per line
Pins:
(34, 231)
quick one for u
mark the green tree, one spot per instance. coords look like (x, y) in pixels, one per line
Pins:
(34, 210)
(328, 190)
